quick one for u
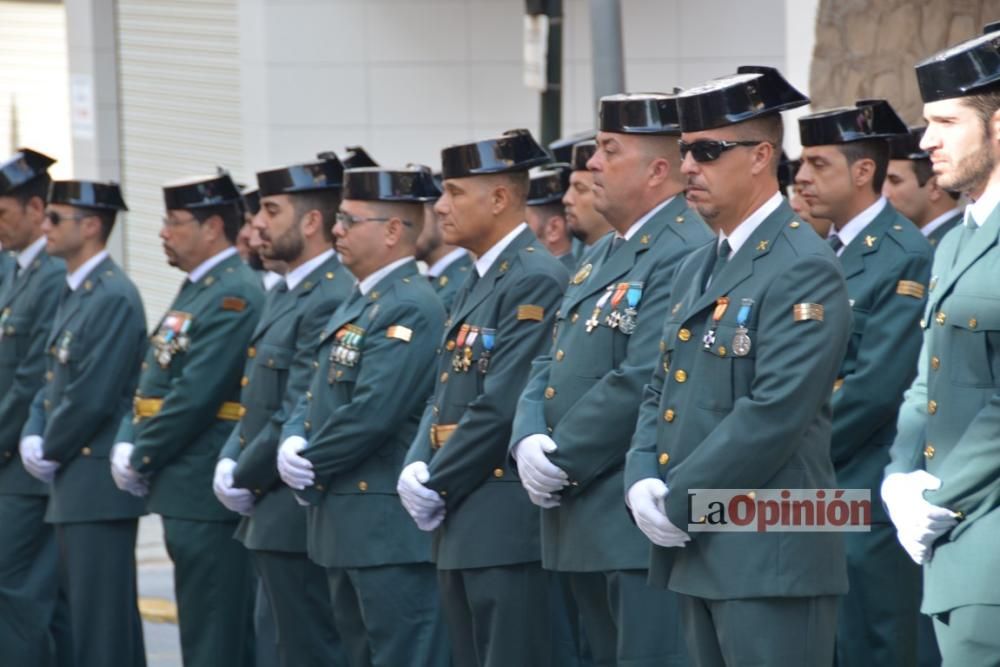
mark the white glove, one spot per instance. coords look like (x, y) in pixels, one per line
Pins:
(296, 471)
(126, 478)
(235, 500)
(646, 498)
(918, 522)
(34, 461)
(424, 505)
(540, 477)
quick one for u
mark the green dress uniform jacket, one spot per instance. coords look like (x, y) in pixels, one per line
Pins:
(376, 364)
(96, 346)
(713, 419)
(193, 366)
(950, 419)
(451, 279)
(586, 391)
(279, 367)
(27, 306)
(465, 430)
(938, 234)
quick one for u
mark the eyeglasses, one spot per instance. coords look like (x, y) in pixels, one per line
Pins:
(56, 218)
(347, 220)
(707, 150)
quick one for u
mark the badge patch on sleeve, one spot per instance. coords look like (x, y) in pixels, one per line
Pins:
(807, 311)
(530, 312)
(910, 288)
(234, 303)
(399, 332)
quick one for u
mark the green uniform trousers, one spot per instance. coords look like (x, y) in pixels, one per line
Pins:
(265, 633)
(928, 654)
(499, 616)
(213, 583)
(627, 623)
(97, 568)
(569, 641)
(389, 615)
(969, 636)
(34, 623)
(299, 605)
(760, 632)
(877, 619)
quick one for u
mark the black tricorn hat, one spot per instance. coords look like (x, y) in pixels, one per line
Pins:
(326, 174)
(907, 146)
(201, 192)
(964, 69)
(639, 113)
(251, 198)
(867, 119)
(548, 184)
(22, 167)
(432, 181)
(752, 92)
(582, 152)
(357, 156)
(87, 194)
(562, 148)
(411, 185)
(514, 150)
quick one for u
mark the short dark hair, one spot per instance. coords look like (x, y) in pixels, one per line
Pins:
(923, 170)
(876, 150)
(36, 187)
(107, 218)
(985, 105)
(519, 183)
(327, 202)
(769, 128)
(231, 214)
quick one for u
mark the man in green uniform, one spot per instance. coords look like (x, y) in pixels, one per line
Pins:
(96, 345)
(185, 406)
(29, 294)
(545, 213)
(740, 398)
(887, 264)
(912, 187)
(585, 222)
(345, 443)
(942, 487)
(568, 438)
(458, 481)
(448, 266)
(295, 226)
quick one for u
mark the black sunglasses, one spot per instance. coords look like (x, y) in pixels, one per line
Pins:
(56, 218)
(707, 150)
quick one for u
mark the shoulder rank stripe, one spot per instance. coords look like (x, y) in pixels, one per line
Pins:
(807, 311)
(530, 312)
(399, 332)
(910, 288)
(234, 303)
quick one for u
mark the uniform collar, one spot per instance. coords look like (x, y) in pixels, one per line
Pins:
(210, 263)
(28, 255)
(637, 225)
(371, 281)
(484, 263)
(270, 279)
(75, 279)
(442, 264)
(746, 228)
(299, 273)
(980, 209)
(934, 224)
(851, 230)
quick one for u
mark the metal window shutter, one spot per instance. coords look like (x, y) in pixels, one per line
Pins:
(179, 82)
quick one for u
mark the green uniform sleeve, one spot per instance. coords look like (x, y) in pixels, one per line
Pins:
(640, 462)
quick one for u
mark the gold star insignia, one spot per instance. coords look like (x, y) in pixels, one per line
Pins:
(644, 240)
(870, 241)
(762, 245)
(504, 266)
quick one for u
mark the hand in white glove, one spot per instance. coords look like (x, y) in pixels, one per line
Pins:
(918, 522)
(425, 505)
(540, 477)
(296, 471)
(34, 461)
(125, 476)
(646, 498)
(235, 500)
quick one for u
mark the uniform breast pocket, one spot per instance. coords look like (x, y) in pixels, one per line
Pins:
(273, 362)
(727, 368)
(973, 351)
(860, 319)
(14, 339)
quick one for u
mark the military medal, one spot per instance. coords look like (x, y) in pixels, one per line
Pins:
(63, 353)
(741, 339)
(592, 323)
(633, 295)
(720, 309)
(172, 337)
(467, 353)
(3, 321)
(489, 340)
(456, 360)
(582, 274)
(614, 317)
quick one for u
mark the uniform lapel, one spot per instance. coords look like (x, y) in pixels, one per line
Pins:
(966, 255)
(351, 309)
(20, 282)
(866, 242)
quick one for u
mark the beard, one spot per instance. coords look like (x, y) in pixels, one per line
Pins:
(972, 171)
(288, 247)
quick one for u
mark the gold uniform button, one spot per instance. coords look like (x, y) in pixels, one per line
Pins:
(550, 392)
(559, 355)
(498, 473)
(940, 318)
(340, 373)
(315, 364)
(549, 429)
(973, 323)
(244, 381)
(794, 224)
(363, 485)
(929, 451)
(932, 407)
(669, 415)
(684, 335)
(680, 376)
(49, 375)
(257, 492)
(666, 366)
(444, 377)
(147, 460)
(307, 425)
(923, 323)
(251, 352)
(450, 345)
(574, 318)
(722, 350)
(86, 451)
(145, 365)
(270, 363)
(320, 487)
(935, 363)
(664, 459)
(243, 441)
(309, 396)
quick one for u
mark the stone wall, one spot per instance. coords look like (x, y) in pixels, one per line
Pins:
(867, 48)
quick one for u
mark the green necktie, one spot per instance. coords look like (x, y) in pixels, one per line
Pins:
(721, 258)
